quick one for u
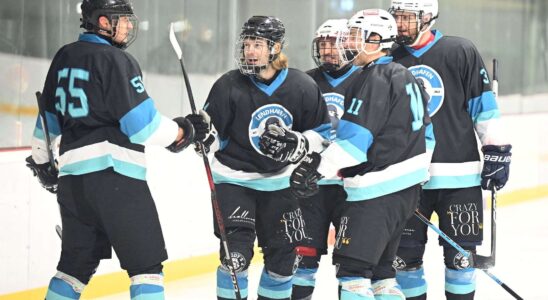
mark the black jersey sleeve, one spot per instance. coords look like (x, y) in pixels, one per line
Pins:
(128, 101)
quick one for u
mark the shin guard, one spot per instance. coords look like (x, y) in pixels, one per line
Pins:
(387, 289)
(355, 288)
(64, 287)
(274, 286)
(412, 283)
(147, 287)
(460, 284)
(225, 287)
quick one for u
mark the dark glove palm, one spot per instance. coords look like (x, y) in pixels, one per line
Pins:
(496, 166)
(304, 179)
(47, 175)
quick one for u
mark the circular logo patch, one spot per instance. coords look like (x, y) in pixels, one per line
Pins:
(335, 107)
(264, 116)
(461, 262)
(238, 261)
(398, 263)
(433, 84)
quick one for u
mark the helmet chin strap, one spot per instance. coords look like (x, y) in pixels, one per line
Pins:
(421, 33)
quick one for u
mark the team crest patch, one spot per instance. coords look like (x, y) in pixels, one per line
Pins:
(433, 84)
(461, 262)
(335, 107)
(238, 262)
(264, 116)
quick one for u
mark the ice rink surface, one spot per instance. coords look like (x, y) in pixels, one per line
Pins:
(522, 250)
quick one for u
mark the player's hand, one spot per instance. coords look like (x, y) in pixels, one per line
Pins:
(207, 142)
(496, 166)
(304, 179)
(201, 122)
(47, 175)
(282, 144)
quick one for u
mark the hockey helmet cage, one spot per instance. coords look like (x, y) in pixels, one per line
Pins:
(333, 30)
(421, 8)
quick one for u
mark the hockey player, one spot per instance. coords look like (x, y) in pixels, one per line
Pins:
(461, 104)
(333, 77)
(380, 152)
(95, 98)
(251, 174)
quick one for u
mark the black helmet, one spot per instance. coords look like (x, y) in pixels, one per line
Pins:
(112, 9)
(270, 28)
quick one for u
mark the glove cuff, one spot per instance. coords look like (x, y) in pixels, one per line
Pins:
(301, 150)
(497, 148)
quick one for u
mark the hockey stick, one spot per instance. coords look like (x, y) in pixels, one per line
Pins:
(43, 120)
(214, 201)
(486, 262)
(465, 253)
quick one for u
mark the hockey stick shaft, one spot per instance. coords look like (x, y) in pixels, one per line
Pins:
(214, 201)
(464, 252)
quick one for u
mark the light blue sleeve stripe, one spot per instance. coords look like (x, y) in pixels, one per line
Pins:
(324, 130)
(142, 136)
(488, 115)
(355, 153)
(330, 182)
(452, 182)
(138, 118)
(360, 137)
(386, 187)
(430, 138)
(267, 184)
(53, 127)
(484, 103)
(101, 163)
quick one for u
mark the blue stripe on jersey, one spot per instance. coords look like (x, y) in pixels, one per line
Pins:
(270, 89)
(355, 135)
(101, 163)
(484, 107)
(53, 126)
(386, 187)
(334, 82)
(421, 51)
(452, 182)
(140, 122)
(430, 138)
(330, 182)
(267, 184)
(460, 282)
(383, 60)
(92, 38)
(324, 130)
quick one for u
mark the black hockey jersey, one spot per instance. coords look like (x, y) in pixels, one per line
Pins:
(333, 89)
(381, 138)
(95, 97)
(461, 102)
(241, 107)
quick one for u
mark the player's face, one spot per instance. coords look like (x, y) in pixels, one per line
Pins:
(364, 58)
(256, 51)
(354, 40)
(328, 51)
(407, 23)
(123, 27)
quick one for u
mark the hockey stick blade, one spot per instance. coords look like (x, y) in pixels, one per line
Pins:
(215, 203)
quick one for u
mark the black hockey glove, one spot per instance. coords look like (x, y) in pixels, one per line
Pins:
(283, 145)
(188, 136)
(496, 166)
(201, 123)
(207, 142)
(47, 175)
(304, 179)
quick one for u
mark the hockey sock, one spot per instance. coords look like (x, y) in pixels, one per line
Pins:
(412, 283)
(460, 284)
(225, 287)
(64, 287)
(147, 287)
(304, 281)
(355, 288)
(387, 289)
(274, 286)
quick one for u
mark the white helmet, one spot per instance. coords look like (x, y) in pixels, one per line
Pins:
(421, 8)
(366, 22)
(331, 30)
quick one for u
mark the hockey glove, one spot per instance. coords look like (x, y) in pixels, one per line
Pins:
(188, 136)
(207, 142)
(496, 166)
(304, 179)
(201, 123)
(47, 175)
(283, 145)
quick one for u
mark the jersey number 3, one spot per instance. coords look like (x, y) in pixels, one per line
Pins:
(417, 108)
(76, 108)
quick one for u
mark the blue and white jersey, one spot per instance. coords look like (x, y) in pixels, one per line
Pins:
(95, 97)
(333, 86)
(241, 107)
(461, 104)
(381, 139)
